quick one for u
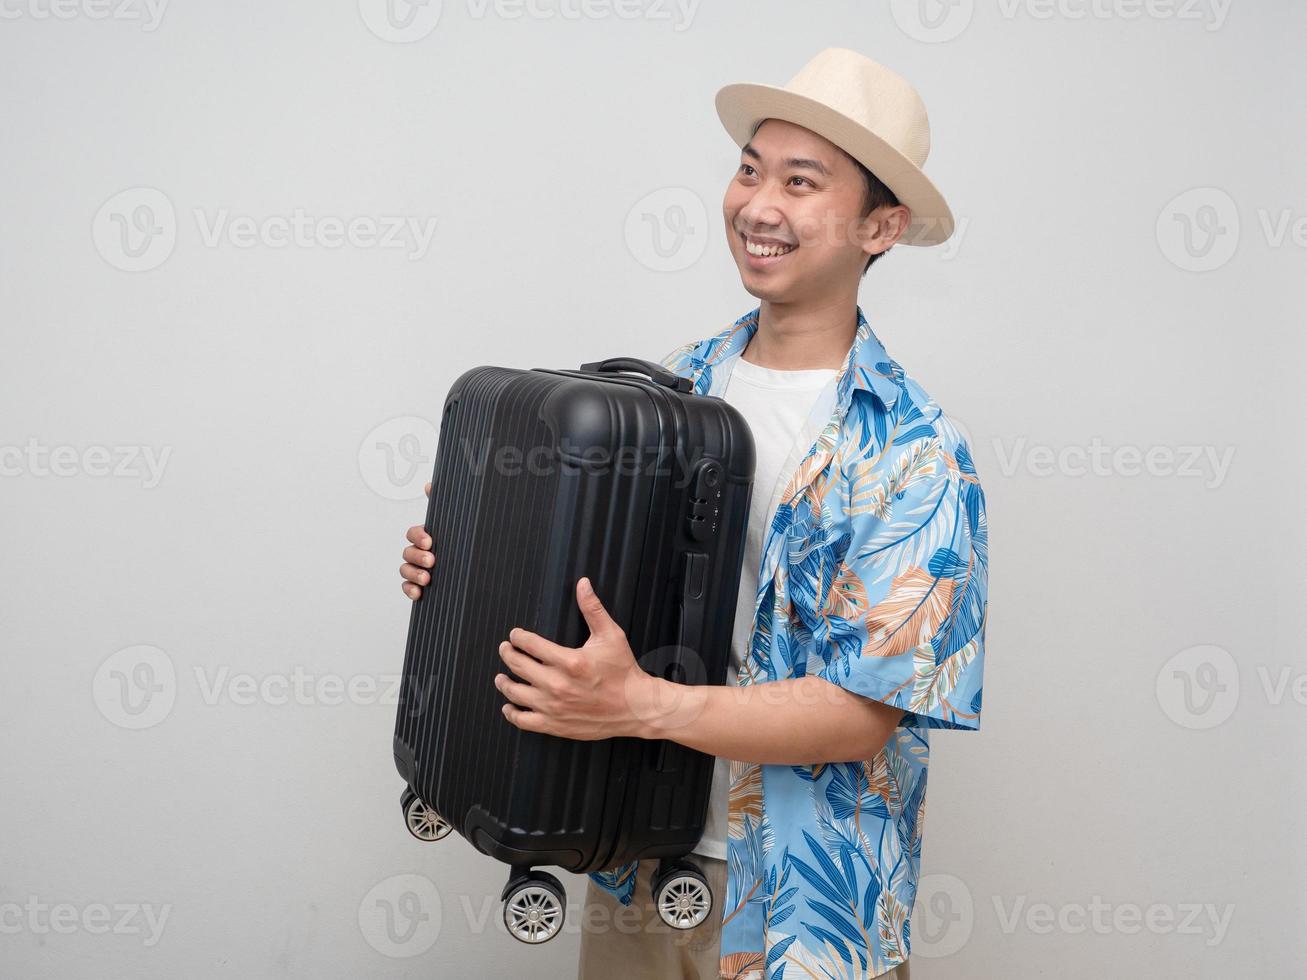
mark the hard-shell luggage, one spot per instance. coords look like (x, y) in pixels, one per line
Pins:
(621, 473)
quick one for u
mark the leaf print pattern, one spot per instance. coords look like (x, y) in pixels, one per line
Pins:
(906, 618)
(874, 577)
(875, 492)
(745, 797)
(847, 597)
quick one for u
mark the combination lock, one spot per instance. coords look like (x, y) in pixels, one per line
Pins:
(705, 499)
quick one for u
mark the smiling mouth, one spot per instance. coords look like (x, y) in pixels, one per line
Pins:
(766, 250)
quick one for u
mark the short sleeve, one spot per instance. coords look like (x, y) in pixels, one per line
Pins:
(907, 603)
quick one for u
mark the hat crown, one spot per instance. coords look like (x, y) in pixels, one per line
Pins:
(869, 94)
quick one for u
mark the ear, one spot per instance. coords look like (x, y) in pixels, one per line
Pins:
(883, 228)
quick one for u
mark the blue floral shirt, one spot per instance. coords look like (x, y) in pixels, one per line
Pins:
(874, 577)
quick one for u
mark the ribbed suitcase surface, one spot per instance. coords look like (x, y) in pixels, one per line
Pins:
(542, 477)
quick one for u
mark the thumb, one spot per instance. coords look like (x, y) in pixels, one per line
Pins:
(596, 616)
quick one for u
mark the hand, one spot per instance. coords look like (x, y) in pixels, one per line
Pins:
(418, 557)
(590, 692)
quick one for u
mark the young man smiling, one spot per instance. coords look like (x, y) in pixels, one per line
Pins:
(864, 591)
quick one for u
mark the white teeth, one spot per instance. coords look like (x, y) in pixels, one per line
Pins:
(754, 248)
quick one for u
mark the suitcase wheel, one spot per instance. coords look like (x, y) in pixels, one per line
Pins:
(682, 895)
(533, 907)
(422, 821)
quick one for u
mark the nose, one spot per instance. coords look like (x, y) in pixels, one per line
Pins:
(762, 211)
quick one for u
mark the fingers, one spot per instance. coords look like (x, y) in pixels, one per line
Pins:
(427, 489)
(596, 616)
(418, 576)
(520, 694)
(546, 651)
(528, 721)
(419, 556)
(531, 670)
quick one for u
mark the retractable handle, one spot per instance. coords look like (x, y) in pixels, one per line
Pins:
(656, 372)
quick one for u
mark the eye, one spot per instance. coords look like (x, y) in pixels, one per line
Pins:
(804, 179)
(744, 167)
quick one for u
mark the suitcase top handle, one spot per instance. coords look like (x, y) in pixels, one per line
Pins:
(656, 372)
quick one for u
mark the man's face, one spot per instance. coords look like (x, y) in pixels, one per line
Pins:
(798, 196)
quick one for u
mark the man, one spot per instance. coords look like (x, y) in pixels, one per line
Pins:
(864, 593)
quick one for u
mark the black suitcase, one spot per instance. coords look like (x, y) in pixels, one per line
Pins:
(541, 477)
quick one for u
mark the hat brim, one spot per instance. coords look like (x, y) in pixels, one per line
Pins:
(741, 106)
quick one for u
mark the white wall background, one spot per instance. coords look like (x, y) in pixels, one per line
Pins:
(1071, 316)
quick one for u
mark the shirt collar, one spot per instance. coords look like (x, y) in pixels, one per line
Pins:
(867, 367)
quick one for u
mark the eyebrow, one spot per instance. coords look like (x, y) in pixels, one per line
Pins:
(800, 162)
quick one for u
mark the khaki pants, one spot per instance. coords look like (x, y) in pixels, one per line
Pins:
(630, 942)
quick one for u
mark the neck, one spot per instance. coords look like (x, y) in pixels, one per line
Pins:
(792, 337)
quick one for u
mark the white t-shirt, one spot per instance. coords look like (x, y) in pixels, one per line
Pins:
(775, 404)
